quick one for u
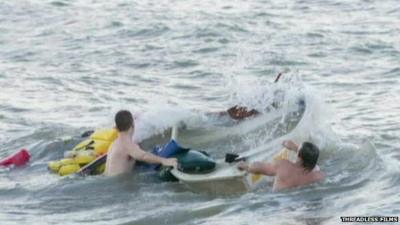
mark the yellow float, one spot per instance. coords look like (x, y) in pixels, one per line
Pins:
(85, 152)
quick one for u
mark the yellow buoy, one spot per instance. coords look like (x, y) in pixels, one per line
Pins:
(99, 146)
(54, 166)
(84, 159)
(67, 161)
(68, 169)
(107, 135)
(84, 145)
(85, 152)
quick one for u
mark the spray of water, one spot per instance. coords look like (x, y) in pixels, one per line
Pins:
(290, 109)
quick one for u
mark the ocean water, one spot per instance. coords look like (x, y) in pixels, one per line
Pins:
(68, 66)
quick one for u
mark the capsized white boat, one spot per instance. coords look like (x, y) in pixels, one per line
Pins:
(227, 178)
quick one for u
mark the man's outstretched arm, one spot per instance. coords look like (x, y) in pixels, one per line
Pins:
(137, 153)
(268, 169)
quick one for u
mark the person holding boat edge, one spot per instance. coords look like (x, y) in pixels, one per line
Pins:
(124, 152)
(288, 174)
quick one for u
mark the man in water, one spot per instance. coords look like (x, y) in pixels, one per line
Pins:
(124, 152)
(287, 174)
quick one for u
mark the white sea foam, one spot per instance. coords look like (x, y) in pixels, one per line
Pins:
(280, 103)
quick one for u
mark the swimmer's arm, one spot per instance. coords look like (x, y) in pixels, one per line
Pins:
(268, 169)
(137, 153)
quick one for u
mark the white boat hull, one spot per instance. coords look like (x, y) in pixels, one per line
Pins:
(227, 178)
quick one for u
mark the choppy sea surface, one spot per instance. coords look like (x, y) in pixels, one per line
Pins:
(68, 66)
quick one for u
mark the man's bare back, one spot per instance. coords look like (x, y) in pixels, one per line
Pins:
(124, 152)
(118, 159)
(290, 175)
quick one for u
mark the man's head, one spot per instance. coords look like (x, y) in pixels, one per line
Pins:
(123, 120)
(309, 155)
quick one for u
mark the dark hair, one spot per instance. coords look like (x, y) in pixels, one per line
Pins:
(123, 120)
(309, 154)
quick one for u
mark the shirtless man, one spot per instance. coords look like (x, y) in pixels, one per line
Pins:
(287, 174)
(124, 152)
